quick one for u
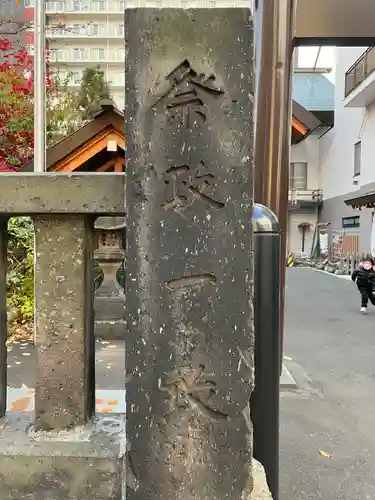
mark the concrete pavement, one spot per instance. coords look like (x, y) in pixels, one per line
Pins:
(110, 376)
(328, 422)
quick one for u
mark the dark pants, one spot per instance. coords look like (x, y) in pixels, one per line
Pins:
(366, 294)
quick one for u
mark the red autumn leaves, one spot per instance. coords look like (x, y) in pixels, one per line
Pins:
(16, 106)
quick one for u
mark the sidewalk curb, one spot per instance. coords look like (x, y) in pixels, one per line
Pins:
(287, 381)
(341, 276)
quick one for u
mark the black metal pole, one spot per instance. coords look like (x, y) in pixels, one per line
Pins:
(266, 395)
(3, 315)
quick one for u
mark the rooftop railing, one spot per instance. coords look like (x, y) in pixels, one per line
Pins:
(360, 70)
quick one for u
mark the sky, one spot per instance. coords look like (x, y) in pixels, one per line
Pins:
(307, 57)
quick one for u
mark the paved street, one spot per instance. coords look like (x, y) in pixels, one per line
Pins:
(333, 413)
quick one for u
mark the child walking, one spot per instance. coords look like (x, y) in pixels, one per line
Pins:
(364, 277)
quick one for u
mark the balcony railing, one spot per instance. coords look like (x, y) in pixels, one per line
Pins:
(86, 7)
(88, 55)
(360, 70)
(84, 31)
(114, 81)
(305, 195)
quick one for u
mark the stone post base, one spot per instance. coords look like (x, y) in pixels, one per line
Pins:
(109, 318)
(82, 464)
(260, 488)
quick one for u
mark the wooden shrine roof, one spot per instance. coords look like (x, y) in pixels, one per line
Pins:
(72, 151)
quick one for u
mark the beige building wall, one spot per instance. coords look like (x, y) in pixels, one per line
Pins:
(306, 151)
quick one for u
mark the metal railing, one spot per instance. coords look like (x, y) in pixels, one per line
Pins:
(88, 55)
(83, 31)
(360, 70)
(86, 7)
(296, 195)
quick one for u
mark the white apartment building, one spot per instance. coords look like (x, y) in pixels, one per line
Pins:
(347, 152)
(84, 33)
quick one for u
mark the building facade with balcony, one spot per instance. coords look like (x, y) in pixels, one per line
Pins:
(347, 152)
(315, 93)
(305, 194)
(84, 33)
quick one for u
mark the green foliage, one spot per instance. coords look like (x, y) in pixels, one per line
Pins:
(93, 89)
(20, 277)
(63, 116)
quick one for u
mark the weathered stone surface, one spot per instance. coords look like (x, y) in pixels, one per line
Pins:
(110, 329)
(64, 321)
(260, 486)
(110, 308)
(84, 464)
(29, 193)
(189, 260)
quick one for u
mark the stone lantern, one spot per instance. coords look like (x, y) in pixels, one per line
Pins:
(109, 296)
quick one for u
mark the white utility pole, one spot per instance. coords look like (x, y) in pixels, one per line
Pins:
(39, 87)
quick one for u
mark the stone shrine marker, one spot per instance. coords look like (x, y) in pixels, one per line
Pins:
(189, 86)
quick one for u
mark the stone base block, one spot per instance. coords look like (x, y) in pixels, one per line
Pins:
(110, 330)
(81, 464)
(110, 308)
(260, 486)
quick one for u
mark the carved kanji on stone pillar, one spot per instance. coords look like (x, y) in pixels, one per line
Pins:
(189, 260)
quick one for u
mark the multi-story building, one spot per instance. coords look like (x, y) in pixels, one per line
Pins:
(347, 153)
(84, 33)
(315, 94)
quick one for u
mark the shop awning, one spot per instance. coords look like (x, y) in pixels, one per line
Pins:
(363, 198)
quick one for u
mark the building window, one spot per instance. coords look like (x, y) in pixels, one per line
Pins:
(349, 222)
(98, 6)
(76, 78)
(97, 30)
(57, 54)
(357, 158)
(98, 54)
(77, 6)
(79, 53)
(57, 6)
(120, 30)
(298, 176)
(120, 54)
(77, 29)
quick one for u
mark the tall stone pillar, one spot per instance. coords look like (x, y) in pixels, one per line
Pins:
(189, 352)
